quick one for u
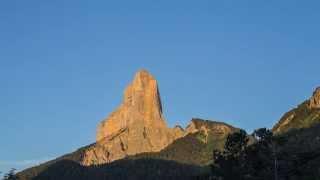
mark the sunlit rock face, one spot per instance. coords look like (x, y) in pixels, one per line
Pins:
(305, 115)
(136, 126)
(315, 99)
(205, 126)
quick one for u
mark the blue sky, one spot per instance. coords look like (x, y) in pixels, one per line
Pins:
(64, 65)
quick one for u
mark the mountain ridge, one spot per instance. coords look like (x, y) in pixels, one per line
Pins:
(184, 150)
(137, 132)
(304, 115)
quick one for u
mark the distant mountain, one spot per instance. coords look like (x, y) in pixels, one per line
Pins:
(305, 115)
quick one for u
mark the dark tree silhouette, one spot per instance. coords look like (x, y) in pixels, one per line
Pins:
(230, 162)
(11, 175)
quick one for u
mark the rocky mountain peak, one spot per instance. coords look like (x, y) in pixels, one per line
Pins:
(143, 80)
(142, 77)
(141, 106)
(143, 96)
(315, 99)
(136, 126)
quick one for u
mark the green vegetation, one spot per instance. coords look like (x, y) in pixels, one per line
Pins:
(294, 155)
(228, 164)
(291, 156)
(34, 171)
(196, 148)
(122, 170)
(300, 117)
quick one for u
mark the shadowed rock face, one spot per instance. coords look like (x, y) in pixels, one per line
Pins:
(136, 126)
(304, 116)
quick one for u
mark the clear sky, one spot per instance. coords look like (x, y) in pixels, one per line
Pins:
(64, 65)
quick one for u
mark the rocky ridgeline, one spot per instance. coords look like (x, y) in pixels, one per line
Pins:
(314, 101)
(305, 115)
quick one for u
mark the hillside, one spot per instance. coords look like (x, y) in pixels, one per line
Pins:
(122, 169)
(194, 149)
(298, 158)
(303, 116)
(301, 152)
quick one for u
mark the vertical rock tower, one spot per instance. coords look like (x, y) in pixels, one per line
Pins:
(136, 126)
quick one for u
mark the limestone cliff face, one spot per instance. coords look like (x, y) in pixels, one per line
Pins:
(136, 126)
(303, 116)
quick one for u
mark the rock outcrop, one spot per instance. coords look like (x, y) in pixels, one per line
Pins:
(200, 139)
(314, 101)
(305, 115)
(206, 126)
(136, 126)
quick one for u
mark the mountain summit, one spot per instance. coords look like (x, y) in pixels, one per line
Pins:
(141, 106)
(136, 126)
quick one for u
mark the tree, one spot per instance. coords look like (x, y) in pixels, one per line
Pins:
(236, 143)
(263, 135)
(11, 175)
(229, 163)
(263, 156)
